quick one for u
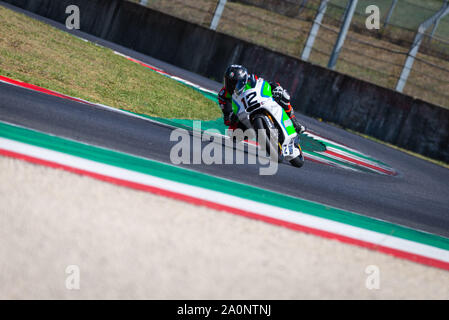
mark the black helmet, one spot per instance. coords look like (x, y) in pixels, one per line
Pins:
(235, 78)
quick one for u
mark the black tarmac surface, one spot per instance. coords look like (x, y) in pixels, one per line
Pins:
(418, 197)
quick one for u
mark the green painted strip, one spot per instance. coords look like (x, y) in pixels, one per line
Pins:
(342, 163)
(360, 155)
(182, 175)
(306, 142)
(216, 124)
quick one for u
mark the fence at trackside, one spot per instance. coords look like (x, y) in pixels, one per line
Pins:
(378, 56)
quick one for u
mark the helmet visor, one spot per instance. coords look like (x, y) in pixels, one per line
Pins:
(230, 85)
(240, 86)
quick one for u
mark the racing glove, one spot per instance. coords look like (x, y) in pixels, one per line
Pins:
(281, 96)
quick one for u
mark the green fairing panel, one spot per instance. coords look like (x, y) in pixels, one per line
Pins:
(235, 107)
(266, 90)
(290, 129)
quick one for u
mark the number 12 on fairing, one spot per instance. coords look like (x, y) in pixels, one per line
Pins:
(248, 101)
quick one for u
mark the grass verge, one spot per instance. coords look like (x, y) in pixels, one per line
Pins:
(37, 53)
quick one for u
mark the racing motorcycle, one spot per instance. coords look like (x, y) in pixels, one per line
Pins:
(255, 108)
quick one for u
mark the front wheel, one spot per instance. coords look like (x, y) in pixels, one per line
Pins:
(298, 162)
(261, 128)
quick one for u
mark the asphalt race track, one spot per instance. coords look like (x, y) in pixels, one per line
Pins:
(418, 197)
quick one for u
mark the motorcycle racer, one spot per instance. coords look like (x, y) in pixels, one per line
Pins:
(235, 79)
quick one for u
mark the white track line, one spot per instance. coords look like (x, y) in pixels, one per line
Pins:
(296, 217)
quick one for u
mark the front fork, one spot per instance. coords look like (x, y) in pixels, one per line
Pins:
(298, 142)
(280, 153)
